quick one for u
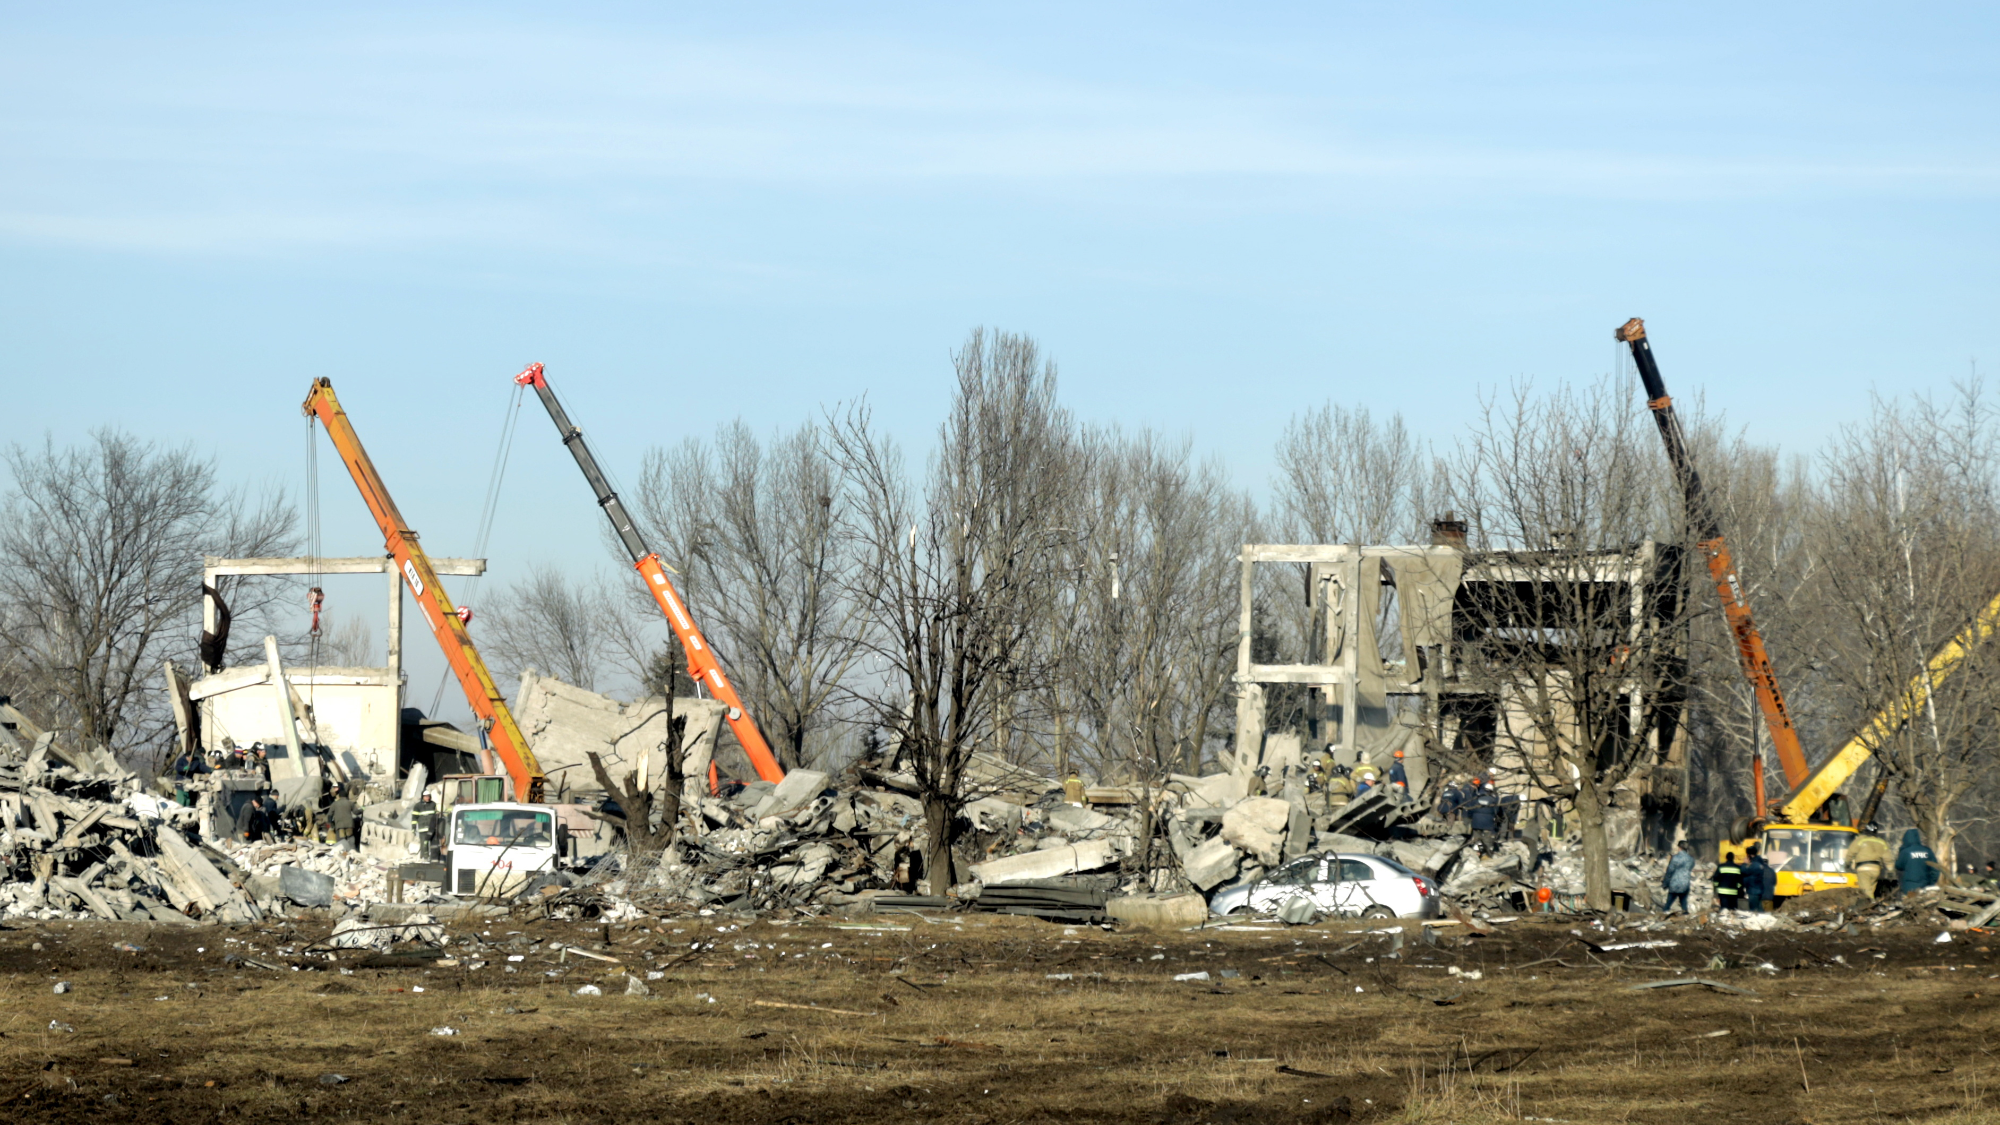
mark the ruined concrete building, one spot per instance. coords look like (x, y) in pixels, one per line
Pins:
(1441, 653)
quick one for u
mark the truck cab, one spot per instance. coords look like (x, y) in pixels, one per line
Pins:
(494, 847)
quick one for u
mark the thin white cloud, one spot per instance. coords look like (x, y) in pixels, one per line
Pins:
(276, 144)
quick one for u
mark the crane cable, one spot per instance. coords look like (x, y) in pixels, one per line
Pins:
(488, 514)
(314, 548)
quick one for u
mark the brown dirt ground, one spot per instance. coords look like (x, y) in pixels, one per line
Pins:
(970, 1020)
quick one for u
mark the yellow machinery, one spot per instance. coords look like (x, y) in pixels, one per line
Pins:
(1810, 854)
(1797, 835)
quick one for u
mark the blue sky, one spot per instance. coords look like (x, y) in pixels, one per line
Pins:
(1210, 215)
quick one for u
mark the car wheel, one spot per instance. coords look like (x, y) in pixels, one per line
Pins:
(1238, 912)
(1378, 911)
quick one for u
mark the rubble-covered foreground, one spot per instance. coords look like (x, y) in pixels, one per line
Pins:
(966, 1017)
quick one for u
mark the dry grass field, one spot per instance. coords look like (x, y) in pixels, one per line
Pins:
(986, 1020)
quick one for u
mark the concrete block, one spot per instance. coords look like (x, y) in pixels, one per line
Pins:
(1257, 825)
(1046, 863)
(307, 888)
(1159, 912)
(800, 788)
(1211, 863)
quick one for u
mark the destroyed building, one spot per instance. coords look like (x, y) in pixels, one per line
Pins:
(1386, 636)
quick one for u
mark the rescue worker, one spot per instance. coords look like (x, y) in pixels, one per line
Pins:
(1729, 883)
(1868, 858)
(423, 820)
(1760, 883)
(1257, 780)
(1316, 777)
(1679, 879)
(344, 821)
(1916, 865)
(1340, 787)
(1399, 781)
(1451, 801)
(1485, 818)
(1992, 878)
(1837, 811)
(1364, 780)
(1073, 789)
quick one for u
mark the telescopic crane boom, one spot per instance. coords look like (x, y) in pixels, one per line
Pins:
(1721, 568)
(447, 622)
(702, 665)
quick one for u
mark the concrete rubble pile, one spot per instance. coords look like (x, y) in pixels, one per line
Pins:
(307, 873)
(814, 841)
(80, 837)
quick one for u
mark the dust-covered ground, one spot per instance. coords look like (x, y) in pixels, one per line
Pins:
(986, 1020)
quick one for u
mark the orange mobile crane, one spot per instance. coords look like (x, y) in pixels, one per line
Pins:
(1722, 569)
(447, 621)
(701, 662)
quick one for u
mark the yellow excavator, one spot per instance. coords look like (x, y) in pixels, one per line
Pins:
(1797, 834)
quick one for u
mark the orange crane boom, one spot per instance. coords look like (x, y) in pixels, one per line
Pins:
(1721, 568)
(447, 622)
(702, 664)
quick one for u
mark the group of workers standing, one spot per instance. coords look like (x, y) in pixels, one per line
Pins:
(1752, 883)
(262, 819)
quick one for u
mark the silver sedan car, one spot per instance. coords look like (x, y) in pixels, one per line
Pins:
(1367, 886)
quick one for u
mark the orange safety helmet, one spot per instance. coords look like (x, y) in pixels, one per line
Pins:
(1543, 895)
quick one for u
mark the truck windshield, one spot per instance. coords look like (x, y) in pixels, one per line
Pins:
(505, 828)
(1803, 849)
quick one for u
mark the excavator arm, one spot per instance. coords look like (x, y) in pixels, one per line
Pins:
(1721, 567)
(445, 619)
(702, 664)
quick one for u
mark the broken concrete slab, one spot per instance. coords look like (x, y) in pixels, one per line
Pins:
(1071, 818)
(1258, 825)
(1211, 864)
(798, 789)
(1046, 863)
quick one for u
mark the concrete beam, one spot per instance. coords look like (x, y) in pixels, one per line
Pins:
(216, 567)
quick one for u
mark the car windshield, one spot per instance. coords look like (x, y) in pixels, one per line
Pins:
(505, 827)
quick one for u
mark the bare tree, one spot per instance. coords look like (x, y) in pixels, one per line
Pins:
(101, 549)
(554, 624)
(1573, 620)
(764, 535)
(638, 801)
(349, 644)
(1907, 520)
(1345, 478)
(1145, 627)
(953, 582)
